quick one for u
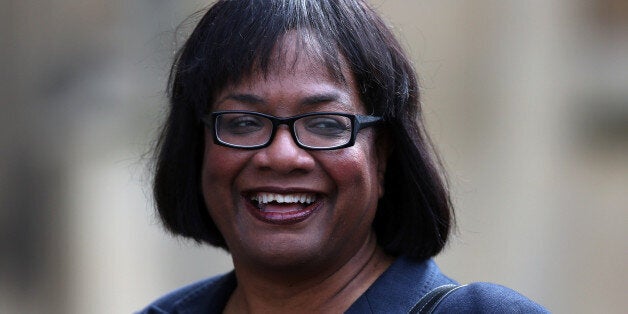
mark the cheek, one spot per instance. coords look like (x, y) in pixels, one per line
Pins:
(355, 205)
(220, 163)
(354, 170)
(367, 161)
(212, 173)
(355, 173)
(221, 167)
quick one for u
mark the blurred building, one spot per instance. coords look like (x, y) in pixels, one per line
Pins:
(526, 100)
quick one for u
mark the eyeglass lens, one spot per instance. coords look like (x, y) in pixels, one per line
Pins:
(316, 131)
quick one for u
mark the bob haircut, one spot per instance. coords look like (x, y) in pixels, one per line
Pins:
(238, 37)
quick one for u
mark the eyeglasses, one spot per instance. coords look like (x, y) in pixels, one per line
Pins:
(313, 131)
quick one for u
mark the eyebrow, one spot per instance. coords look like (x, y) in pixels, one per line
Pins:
(307, 101)
(320, 99)
(245, 98)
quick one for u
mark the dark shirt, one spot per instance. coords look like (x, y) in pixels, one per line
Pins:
(397, 290)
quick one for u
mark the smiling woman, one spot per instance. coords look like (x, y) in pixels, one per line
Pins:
(343, 183)
(300, 124)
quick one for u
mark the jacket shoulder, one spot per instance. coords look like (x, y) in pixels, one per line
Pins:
(482, 297)
(202, 296)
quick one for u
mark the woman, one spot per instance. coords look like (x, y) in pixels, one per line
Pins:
(295, 142)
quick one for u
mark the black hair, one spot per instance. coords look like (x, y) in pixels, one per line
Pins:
(235, 38)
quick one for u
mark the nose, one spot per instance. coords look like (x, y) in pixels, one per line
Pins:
(283, 155)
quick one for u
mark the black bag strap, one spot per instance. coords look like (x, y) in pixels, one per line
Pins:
(430, 301)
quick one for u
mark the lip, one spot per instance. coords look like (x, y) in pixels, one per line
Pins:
(287, 217)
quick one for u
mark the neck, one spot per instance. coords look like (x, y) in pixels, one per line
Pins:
(329, 289)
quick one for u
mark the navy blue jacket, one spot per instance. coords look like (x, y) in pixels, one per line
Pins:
(397, 290)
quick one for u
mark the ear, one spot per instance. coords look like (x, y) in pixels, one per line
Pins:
(383, 147)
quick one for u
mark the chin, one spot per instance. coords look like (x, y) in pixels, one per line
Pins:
(282, 253)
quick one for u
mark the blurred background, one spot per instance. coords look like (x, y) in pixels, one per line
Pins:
(526, 100)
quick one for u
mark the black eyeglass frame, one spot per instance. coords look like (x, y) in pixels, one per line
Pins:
(358, 122)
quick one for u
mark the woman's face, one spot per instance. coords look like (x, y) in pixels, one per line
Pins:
(330, 196)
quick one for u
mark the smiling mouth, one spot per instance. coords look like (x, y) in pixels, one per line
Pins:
(282, 208)
(263, 200)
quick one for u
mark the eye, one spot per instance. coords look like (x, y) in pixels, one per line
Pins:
(328, 125)
(241, 123)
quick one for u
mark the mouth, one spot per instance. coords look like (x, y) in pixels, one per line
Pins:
(262, 200)
(282, 208)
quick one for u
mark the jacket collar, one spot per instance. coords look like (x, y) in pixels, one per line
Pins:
(400, 287)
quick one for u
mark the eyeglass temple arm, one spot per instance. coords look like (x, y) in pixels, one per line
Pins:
(366, 121)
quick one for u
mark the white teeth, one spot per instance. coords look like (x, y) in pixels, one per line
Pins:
(265, 198)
